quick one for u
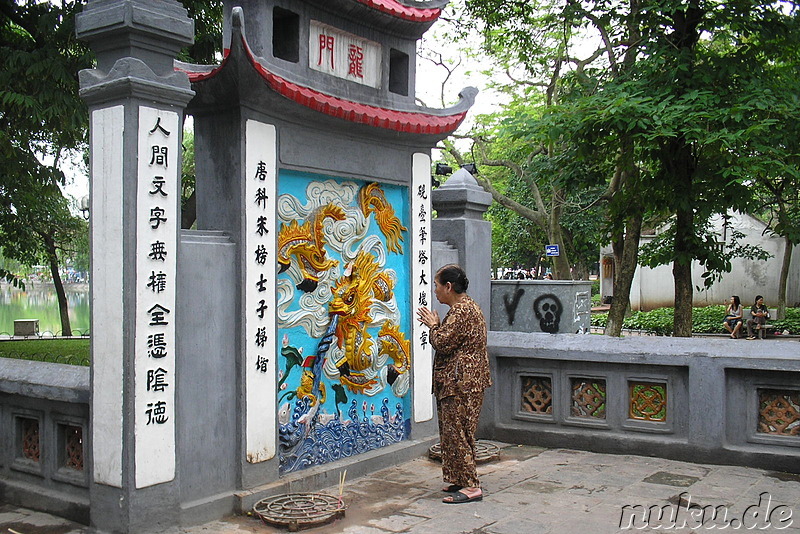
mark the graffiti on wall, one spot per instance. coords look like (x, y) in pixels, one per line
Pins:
(548, 309)
(343, 318)
(510, 304)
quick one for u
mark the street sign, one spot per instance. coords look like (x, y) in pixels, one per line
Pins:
(551, 250)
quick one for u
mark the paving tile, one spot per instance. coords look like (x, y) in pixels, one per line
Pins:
(397, 522)
(517, 525)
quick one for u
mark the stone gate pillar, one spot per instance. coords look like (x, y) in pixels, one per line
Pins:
(460, 204)
(136, 102)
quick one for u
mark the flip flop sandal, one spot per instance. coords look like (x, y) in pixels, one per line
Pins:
(460, 498)
(452, 488)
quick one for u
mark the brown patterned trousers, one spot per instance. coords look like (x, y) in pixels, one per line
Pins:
(458, 421)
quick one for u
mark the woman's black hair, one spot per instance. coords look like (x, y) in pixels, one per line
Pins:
(756, 300)
(455, 275)
(736, 301)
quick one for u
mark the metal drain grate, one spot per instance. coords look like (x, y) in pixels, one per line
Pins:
(485, 451)
(299, 510)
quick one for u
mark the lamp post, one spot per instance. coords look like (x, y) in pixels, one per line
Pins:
(83, 205)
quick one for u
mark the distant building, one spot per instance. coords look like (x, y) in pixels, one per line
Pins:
(654, 288)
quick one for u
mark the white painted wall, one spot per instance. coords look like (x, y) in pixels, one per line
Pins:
(654, 288)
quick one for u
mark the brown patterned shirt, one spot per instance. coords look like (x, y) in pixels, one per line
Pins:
(461, 363)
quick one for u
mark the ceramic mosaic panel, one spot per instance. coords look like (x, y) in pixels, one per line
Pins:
(648, 401)
(779, 412)
(537, 395)
(588, 398)
(344, 318)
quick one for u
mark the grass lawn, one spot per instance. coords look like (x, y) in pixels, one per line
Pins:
(70, 351)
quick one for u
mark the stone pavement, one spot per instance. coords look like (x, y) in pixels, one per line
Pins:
(530, 490)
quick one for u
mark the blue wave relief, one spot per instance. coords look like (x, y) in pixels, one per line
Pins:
(305, 442)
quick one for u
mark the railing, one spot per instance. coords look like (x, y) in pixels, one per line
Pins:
(689, 399)
(44, 414)
(47, 334)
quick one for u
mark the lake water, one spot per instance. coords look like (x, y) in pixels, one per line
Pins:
(39, 301)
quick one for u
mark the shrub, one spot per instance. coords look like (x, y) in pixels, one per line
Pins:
(790, 323)
(706, 320)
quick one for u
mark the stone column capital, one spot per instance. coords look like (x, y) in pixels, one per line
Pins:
(461, 197)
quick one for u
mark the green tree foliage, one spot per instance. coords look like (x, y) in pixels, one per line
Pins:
(42, 118)
(675, 92)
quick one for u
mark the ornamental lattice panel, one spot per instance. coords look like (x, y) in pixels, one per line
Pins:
(648, 401)
(537, 394)
(30, 438)
(73, 444)
(779, 412)
(588, 398)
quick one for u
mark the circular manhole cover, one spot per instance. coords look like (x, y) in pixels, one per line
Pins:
(485, 451)
(299, 510)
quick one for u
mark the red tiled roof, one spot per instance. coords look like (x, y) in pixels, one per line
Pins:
(394, 8)
(378, 117)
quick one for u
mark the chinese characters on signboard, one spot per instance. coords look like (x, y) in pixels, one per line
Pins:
(157, 231)
(259, 266)
(344, 55)
(422, 282)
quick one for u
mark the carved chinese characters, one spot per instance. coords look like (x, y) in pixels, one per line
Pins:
(258, 268)
(344, 55)
(422, 283)
(156, 241)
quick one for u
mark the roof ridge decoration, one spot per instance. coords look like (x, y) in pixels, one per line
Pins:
(421, 121)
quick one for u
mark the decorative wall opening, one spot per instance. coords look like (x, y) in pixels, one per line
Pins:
(588, 398)
(71, 446)
(285, 35)
(29, 433)
(779, 412)
(537, 395)
(648, 401)
(398, 72)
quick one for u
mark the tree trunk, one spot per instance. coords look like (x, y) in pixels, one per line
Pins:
(626, 254)
(189, 212)
(679, 166)
(629, 229)
(63, 307)
(561, 266)
(682, 273)
(787, 261)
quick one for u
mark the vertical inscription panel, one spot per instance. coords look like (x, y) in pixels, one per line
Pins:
(259, 259)
(107, 126)
(157, 215)
(422, 284)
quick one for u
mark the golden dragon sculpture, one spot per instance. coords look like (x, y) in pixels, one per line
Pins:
(394, 343)
(371, 199)
(306, 242)
(353, 295)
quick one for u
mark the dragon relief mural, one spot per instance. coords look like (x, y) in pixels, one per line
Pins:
(341, 324)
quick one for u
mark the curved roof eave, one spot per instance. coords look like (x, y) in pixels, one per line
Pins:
(423, 121)
(419, 12)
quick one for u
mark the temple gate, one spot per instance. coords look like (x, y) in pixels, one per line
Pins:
(278, 335)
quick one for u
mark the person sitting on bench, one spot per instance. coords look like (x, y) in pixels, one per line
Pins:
(733, 317)
(758, 317)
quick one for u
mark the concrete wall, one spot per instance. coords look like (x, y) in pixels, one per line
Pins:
(712, 396)
(56, 396)
(551, 306)
(207, 388)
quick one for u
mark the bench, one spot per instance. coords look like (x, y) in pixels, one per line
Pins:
(763, 330)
